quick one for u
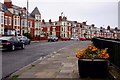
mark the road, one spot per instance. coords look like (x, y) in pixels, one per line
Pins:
(15, 60)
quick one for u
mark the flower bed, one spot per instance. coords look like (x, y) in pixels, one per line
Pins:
(92, 52)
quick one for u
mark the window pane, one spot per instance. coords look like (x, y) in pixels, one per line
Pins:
(1, 19)
(6, 20)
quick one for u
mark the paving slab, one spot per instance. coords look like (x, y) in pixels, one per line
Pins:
(61, 64)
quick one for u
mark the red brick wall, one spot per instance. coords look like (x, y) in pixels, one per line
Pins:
(10, 26)
(51, 30)
(58, 31)
(32, 29)
(45, 29)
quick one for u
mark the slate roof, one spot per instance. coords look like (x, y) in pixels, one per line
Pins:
(46, 24)
(16, 7)
(34, 12)
(4, 9)
(57, 23)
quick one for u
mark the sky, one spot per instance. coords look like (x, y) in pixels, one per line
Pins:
(98, 12)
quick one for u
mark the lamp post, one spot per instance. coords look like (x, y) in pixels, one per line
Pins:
(27, 16)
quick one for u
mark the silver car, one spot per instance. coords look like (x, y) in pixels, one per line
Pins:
(24, 39)
(52, 38)
(74, 38)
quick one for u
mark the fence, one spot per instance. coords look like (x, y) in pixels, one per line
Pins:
(113, 46)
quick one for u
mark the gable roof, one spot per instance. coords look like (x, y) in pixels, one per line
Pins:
(34, 12)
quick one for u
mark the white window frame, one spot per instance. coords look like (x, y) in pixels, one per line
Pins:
(37, 17)
(31, 24)
(15, 21)
(23, 23)
(6, 20)
(10, 20)
(2, 18)
(18, 21)
(48, 29)
(54, 29)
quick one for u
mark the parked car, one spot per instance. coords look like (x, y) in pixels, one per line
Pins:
(82, 39)
(24, 39)
(11, 43)
(52, 38)
(74, 38)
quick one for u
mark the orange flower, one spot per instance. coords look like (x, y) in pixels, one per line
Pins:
(94, 49)
(90, 46)
(106, 55)
(92, 52)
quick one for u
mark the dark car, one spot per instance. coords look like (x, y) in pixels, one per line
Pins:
(11, 43)
(24, 39)
(52, 38)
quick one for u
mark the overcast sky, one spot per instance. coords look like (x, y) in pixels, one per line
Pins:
(98, 12)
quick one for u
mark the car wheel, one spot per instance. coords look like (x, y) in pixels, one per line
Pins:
(29, 42)
(13, 47)
(23, 46)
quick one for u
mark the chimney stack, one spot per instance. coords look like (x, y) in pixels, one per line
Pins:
(60, 18)
(64, 18)
(8, 3)
(50, 21)
(43, 21)
(93, 25)
(84, 23)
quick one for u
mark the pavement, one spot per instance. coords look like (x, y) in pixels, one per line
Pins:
(39, 41)
(61, 64)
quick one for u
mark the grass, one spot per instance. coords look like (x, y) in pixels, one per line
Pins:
(15, 77)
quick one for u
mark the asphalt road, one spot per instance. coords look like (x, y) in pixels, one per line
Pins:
(15, 60)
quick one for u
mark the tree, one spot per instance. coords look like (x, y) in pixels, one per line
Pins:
(28, 35)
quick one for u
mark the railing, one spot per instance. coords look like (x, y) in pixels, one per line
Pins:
(113, 46)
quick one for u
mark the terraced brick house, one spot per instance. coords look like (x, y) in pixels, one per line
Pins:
(1, 20)
(75, 29)
(8, 26)
(37, 22)
(46, 28)
(55, 29)
(27, 22)
(18, 20)
(65, 27)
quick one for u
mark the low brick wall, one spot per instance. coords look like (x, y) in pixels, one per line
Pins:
(39, 38)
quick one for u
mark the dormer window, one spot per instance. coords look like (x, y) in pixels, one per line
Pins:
(37, 17)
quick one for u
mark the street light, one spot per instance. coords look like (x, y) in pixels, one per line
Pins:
(27, 16)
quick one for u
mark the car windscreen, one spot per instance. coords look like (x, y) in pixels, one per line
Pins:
(22, 37)
(5, 38)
